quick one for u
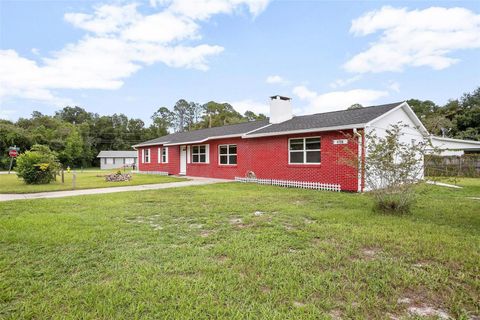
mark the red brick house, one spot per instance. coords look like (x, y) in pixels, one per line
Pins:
(301, 148)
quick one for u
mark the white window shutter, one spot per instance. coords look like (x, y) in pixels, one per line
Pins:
(207, 155)
(159, 155)
(143, 156)
(188, 154)
(166, 154)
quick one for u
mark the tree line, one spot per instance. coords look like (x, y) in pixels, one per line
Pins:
(77, 136)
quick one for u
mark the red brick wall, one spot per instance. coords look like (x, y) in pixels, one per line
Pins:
(172, 167)
(268, 158)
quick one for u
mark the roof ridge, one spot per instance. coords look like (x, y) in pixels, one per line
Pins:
(363, 108)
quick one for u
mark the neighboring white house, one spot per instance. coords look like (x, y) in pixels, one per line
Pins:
(455, 147)
(117, 159)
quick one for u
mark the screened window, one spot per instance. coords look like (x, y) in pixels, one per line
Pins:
(199, 154)
(146, 155)
(305, 150)
(227, 154)
(165, 154)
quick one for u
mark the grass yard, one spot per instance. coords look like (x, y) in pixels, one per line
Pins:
(10, 183)
(239, 251)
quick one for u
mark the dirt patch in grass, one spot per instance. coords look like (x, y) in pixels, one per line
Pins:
(222, 258)
(206, 233)
(308, 221)
(421, 264)
(238, 223)
(235, 221)
(300, 202)
(146, 220)
(298, 304)
(336, 314)
(419, 304)
(265, 289)
(288, 226)
(370, 253)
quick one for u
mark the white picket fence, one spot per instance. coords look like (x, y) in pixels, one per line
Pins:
(292, 184)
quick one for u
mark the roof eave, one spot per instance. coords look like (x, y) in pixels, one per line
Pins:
(281, 133)
(204, 140)
(455, 140)
(148, 144)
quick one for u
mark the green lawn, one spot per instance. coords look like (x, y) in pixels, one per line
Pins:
(202, 253)
(10, 183)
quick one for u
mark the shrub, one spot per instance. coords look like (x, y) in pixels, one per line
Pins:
(37, 166)
(393, 201)
(393, 166)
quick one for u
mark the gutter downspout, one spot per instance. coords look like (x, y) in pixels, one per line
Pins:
(359, 160)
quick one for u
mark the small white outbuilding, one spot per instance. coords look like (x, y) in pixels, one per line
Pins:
(117, 159)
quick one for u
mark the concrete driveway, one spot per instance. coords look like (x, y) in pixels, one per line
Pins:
(60, 194)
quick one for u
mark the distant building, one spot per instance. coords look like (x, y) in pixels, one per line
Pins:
(117, 159)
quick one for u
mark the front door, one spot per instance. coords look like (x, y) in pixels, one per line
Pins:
(183, 160)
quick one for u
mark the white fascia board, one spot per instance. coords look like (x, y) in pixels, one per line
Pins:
(204, 140)
(268, 125)
(282, 133)
(183, 143)
(149, 144)
(409, 112)
(456, 140)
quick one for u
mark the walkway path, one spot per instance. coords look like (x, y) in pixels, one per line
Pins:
(60, 194)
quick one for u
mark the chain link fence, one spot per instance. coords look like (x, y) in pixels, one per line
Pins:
(467, 165)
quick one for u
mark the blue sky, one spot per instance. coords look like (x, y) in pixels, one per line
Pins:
(134, 57)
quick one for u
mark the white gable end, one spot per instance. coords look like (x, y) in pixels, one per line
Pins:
(413, 129)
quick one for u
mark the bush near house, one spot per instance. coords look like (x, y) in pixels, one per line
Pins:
(37, 166)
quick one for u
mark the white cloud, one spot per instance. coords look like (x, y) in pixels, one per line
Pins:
(276, 79)
(162, 28)
(120, 40)
(105, 19)
(336, 100)
(251, 105)
(204, 9)
(394, 86)
(6, 114)
(344, 82)
(414, 38)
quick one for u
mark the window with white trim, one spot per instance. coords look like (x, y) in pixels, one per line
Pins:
(146, 155)
(165, 154)
(227, 154)
(304, 150)
(199, 154)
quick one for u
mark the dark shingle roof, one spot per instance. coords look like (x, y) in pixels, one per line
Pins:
(328, 119)
(307, 122)
(117, 154)
(202, 134)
